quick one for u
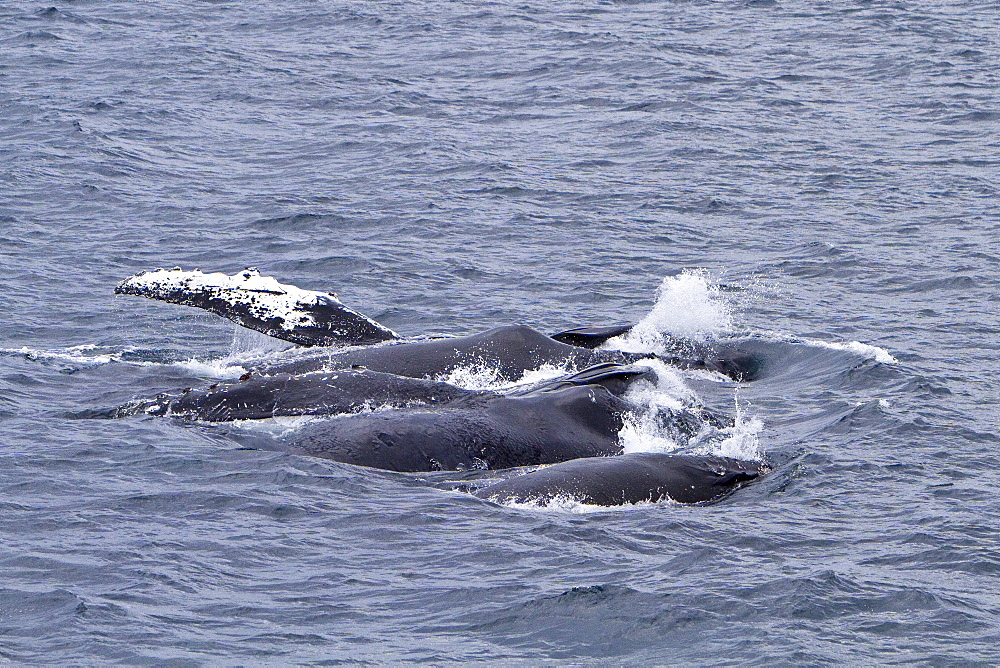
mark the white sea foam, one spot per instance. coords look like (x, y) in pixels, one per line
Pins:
(82, 355)
(222, 369)
(485, 377)
(644, 431)
(88, 356)
(567, 504)
(277, 427)
(741, 441)
(864, 349)
(472, 377)
(688, 306)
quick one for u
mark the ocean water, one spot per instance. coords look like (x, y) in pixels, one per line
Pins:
(818, 180)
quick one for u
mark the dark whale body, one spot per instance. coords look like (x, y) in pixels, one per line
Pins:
(507, 351)
(629, 478)
(567, 418)
(258, 397)
(495, 432)
(434, 426)
(572, 422)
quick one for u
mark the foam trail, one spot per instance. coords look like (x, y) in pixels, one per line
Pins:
(688, 306)
(86, 355)
(89, 356)
(566, 504)
(864, 349)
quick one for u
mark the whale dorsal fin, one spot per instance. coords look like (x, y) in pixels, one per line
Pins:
(590, 337)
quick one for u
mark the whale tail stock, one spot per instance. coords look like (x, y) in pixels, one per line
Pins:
(261, 303)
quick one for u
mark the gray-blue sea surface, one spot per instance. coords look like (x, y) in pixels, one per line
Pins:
(833, 168)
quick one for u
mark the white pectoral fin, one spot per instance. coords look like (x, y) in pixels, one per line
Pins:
(261, 303)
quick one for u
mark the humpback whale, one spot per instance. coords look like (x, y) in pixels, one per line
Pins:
(435, 425)
(571, 422)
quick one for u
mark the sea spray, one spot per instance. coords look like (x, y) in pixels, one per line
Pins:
(688, 306)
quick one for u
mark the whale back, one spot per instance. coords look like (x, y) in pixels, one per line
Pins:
(495, 432)
(508, 351)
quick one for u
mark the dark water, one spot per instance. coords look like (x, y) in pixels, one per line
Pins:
(447, 167)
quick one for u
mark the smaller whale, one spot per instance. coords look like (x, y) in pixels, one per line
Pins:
(256, 397)
(627, 479)
(507, 351)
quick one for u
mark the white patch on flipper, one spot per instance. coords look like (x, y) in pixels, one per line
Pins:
(264, 296)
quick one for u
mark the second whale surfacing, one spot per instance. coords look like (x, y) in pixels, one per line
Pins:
(572, 422)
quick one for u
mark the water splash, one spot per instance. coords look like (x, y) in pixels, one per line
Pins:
(472, 377)
(485, 377)
(741, 441)
(688, 306)
(647, 431)
(247, 343)
(276, 427)
(221, 369)
(643, 431)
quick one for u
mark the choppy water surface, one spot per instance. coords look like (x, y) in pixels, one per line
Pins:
(447, 167)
